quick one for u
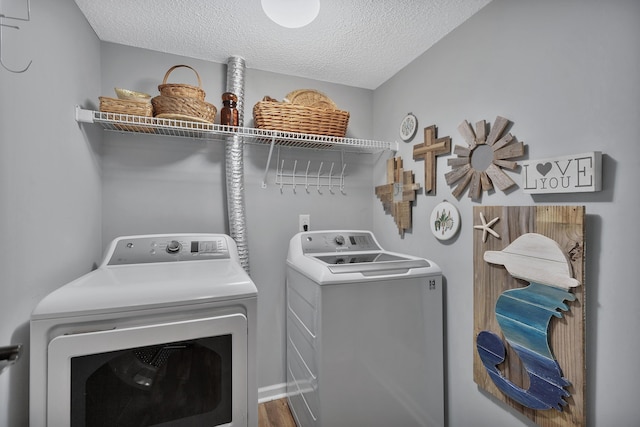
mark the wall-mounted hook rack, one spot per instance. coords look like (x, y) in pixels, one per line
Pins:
(309, 179)
(15, 27)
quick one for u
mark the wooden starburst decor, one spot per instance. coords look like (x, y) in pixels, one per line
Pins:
(396, 196)
(479, 165)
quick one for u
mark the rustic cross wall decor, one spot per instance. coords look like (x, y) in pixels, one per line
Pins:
(396, 196)
(428, 150)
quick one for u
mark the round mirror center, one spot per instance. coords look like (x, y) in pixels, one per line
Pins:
(481, 157)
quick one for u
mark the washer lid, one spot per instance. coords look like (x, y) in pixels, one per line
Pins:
(372, 264)
(125, 288)
(344, 256)
(356, 258)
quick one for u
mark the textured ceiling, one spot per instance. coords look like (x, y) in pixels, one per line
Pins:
(359, 43)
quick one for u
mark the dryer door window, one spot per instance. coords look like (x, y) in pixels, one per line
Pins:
(156, 384)
(99, 379)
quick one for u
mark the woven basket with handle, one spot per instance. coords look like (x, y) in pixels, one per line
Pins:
(179, 89)
(182, 102)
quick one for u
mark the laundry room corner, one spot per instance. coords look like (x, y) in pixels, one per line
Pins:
(50, 173)
(566, 87)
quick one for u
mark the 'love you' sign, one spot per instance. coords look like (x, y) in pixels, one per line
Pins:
(568, 174)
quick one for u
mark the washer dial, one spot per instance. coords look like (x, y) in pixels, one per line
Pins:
(173, 247)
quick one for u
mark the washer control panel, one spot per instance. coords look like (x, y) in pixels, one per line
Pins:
(338, 241)
(167, 248)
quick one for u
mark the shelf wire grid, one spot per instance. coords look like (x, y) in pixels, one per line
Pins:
(209, 131)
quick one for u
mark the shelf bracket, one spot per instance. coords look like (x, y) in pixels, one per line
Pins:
(83, 116)
(266, 168)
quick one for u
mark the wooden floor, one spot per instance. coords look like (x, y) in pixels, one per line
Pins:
(275, 414)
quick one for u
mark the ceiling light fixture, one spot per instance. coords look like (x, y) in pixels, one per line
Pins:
(291, 13)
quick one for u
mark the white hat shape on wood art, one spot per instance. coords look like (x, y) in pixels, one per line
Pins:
(535, 258)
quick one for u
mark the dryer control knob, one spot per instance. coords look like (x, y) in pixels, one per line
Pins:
(173, 247)
(339, 240)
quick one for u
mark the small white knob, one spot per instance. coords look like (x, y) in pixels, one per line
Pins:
(173, 247)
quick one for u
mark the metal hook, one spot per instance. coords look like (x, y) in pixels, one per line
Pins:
(318, 178)
(281, 176)
(331, 179)
(27, 19)
(306, 177)
(293, 176)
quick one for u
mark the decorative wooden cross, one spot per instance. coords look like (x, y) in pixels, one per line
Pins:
(428, 150)
(396, 196)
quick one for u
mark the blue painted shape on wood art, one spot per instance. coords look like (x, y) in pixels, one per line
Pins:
(524, 315)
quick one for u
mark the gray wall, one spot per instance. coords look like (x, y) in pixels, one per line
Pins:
(566, 74)
(50, 184)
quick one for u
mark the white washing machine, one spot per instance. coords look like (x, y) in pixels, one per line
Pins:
(364, 333)
(162, 333)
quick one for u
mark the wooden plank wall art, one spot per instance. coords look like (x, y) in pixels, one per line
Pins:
(529, 310)
(479, 165)
(398, 194)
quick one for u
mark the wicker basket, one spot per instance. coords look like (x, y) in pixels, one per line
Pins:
(178, 108)
(125, 106)
(181, 90)
(310, 98)
(287, 117)
(137, 112)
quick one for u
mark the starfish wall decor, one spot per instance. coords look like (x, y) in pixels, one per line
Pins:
(396, 196)
(486, 227)
(480, 163)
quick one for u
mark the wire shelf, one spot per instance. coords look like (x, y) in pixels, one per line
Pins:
(210, 131)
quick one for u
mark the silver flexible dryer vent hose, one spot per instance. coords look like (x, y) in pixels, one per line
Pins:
(234, 151)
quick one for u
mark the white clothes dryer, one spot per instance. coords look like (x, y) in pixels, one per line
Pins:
(162, 333)
(364, 333)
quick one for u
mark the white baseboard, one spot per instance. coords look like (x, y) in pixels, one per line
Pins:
(272, 392)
